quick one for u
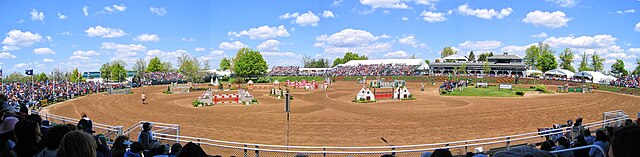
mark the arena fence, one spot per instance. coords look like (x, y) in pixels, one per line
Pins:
(170, 133)
(112, 91)
(111, 132)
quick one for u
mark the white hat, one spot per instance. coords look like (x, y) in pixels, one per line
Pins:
(478, 150)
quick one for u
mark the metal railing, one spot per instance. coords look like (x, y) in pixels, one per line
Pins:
(171, 133)
(604, 153)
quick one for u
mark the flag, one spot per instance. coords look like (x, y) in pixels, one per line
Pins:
(28, 72)
(0, 72)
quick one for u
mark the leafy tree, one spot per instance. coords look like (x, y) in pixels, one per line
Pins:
(447, 51)
(348, 57)
(546, 61)
(584, 64)
(75, 76)
(427, 61)
(531, 56)
(41, 77)
(118, 73)
(472, 57)
(462, 69)
(490, 55)
(241, 52)
(17, 77)
(483, 57)
(596, 62)
(191, 68)
(637, 70)
(486, 68)
(105, 71)
(618, 68)
(167, 67)
(250, 64)
(155, 65)
(566, 58)
(313, 63)
(140, 67)
(225, 64)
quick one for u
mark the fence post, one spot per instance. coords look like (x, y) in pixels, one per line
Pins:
(119, 131)
(466, 146)
(178, 134)
(393, 151)
(257, 152)
(245, 151)
(508, 143)
(324, 153)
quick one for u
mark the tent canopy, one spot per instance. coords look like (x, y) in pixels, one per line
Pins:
(560, 72)
(531, 72)
(593, 75)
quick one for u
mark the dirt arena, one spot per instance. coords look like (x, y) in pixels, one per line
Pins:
(323, 118)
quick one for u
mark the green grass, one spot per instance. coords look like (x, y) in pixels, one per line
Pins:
(491, 91)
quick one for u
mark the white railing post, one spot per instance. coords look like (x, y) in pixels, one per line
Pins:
(119, 131)
(257, 152)
(508, 143)
(178, 134)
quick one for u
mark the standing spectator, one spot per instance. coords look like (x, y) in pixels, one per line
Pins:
(626, 142)
(85, 124)
(120, 145)
(77, 143)
(146, 136)
(135, 151)
(28, 138)
(52, 141)
(143, 97)
(602, 141)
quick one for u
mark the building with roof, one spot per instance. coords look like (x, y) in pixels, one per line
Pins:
(414, 62)
(499, 64)
(95, 76)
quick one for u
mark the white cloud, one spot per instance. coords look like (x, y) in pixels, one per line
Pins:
(328, 14)
(215, 54)
(392, 4)
(85, 10)
(61, 16)
(278, 54)
(5, 55)
(198, 49)
(20, 65)
(541, 35)
(262, 32)
(67, 33)
(158, 11)
(48, 60)
(432, 17)
(430, 3)
(269, 45)
(637, 28)
(597, 41)
(44, 50)
(555, 19)
(123, 48)
(633, 50)
(304, 19)
(113, 9)
(397, 54)
(10, 48)
(49, 38)
(405, 19)
(188, 40)
(409, 40)
(565, 3)
(147, 37)
(104, 32)
(353, 40)
(231, 45)
(16, 38)
(514, 49)
(484, 13)
(167, 56)
(479, 45)
(83, 55)
(619, 55)
(626, 11)
(37, 16)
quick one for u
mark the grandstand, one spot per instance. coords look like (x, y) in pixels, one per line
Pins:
(504, 64)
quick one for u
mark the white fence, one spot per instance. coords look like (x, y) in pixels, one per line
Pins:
(170, 133)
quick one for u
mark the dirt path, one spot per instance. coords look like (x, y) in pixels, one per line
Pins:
(329, 118)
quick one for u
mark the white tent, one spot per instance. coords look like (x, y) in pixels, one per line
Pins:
(532, 72)
(594, 76)
(455, 57)
(250, 82)
(418, 62)
(560, 72)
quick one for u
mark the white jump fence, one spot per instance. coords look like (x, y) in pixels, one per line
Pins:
(170, 133)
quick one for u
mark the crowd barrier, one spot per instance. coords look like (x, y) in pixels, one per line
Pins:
(121, 91)
(170, 133)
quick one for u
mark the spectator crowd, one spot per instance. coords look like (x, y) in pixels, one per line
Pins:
(22, 95)
(163, 76)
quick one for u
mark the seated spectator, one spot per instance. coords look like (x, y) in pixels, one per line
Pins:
(52, 141)
(301, 155)
(136, 150)
(602, 141)
(175, 148)
(441, 153)
(71, 126)
(563, 143)
(580, 141)
(626, 142)
(77, 143)
(587, 137)
(478, 152)
(28, 138)
(523, 151)
(159, 150)
(7, 137)
(146, 137)
(547, 145)
(425, 154)
(191, 150)
(85, 124)
(102, 149)
(120, 146)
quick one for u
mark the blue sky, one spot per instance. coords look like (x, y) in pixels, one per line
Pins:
(47, 34)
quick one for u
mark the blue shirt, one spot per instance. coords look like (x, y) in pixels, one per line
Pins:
(595, 152)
